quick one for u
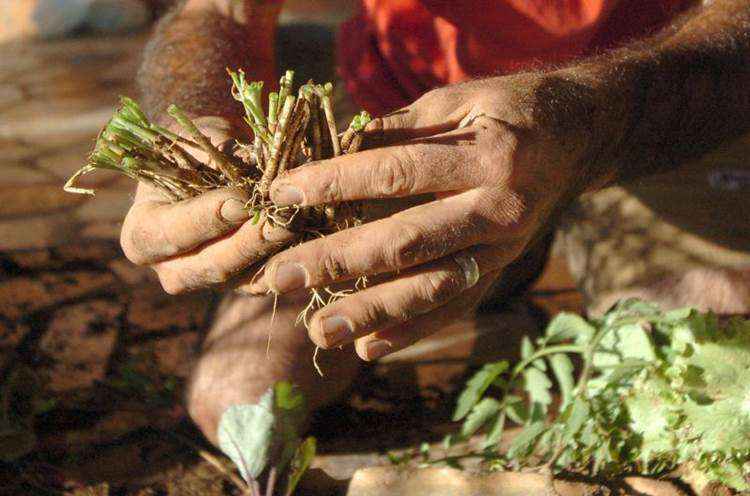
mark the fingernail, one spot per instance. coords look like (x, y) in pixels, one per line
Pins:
(233, 210)
(286, 194)
(335, 329)
(288, 276)
(257, 284)
(377, 349)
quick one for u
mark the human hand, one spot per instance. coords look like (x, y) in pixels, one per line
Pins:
(202, 241)
(497, 174)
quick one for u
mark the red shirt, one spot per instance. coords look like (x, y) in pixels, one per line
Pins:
(395, 50)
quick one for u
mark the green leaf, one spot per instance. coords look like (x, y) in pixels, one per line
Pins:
(476, 387)
(523, 444)
(245, 435)
(482, 412)
(562, 367)
(518, 412)
(300, 463)
(537, 384)
(569, 326)
(624, 342)
(527, 349)
(496, 431)
(289, 413)
(579, 414)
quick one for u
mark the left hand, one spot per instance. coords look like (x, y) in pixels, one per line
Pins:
(497, 176)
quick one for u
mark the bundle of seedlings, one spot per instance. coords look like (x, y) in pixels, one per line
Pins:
(293, 129)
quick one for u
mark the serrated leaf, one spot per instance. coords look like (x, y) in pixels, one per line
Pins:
(537, 385)
(245, 435)
(579, 414)
(476, 387)
(624, 342)
(562, 367)
(518, 413)
(483, 412)
(527, 348)
(523, 444)
(569, 326)
(496, 431)
(300, 463)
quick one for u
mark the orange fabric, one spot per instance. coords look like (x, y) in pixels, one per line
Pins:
(395, 50)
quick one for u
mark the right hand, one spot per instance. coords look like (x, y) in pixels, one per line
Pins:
(203, 241)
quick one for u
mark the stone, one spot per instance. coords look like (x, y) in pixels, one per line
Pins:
(37, 232)
(152, 310)
(79, 340)
(132, 274)
(36, 199)
(21, 295)
(172, 356)
(444, 481)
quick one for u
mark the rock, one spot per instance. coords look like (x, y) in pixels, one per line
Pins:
(22, 295)
(80, 339)
(152, 310)
(444, 481)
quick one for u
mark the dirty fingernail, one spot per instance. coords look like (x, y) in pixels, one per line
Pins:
(286, 194)
(233, 210)
(377, 349)
(335, 330)
(288, 276)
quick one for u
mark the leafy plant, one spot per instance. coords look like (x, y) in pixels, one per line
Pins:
(655, 390)
(264, 437)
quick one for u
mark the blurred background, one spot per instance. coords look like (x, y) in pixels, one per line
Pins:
(93, 355)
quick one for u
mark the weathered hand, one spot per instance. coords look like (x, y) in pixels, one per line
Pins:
(199, 242)
(497, 176)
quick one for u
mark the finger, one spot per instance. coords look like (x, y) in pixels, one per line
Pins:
(412, 293)
(392, 339)
(155, 230)
(446, 162)
(224, 260)
(435, 112)
(415, 236)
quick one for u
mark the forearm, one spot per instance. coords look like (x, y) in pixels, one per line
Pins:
(655, 104)
(186, 59)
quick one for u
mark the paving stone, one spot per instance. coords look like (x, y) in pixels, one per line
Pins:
(132, 274)
(21, 174)
(377, 481)
(109, 205)
(37, 232)
(153, 310)
(21, 295)
(22, 201)
(79, 341)
(173, 355)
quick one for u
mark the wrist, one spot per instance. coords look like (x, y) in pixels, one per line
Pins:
(587, 113)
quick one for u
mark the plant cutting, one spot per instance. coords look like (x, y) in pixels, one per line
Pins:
(287, 129)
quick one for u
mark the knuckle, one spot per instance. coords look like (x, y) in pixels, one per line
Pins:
(395, 175)
(132, 240)
(498, 146)
(442, 286)
(331, 187)
(332, 264)
(408, 246)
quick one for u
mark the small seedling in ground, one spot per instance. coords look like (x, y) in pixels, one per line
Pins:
(656, 390)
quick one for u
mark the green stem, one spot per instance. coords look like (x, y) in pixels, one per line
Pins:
(222, 161)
